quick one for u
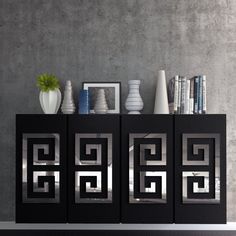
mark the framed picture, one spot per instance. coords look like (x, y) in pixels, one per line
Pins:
(112, 93)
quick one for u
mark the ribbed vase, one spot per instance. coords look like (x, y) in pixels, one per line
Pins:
(134, 102)
(100, 106)
(50, 101)
(68, 106)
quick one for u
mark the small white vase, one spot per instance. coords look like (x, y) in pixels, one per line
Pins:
(68, 105)
(50, 101)
(134, 102)
(161, 100)
(100, 106)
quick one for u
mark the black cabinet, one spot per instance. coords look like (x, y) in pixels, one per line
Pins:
(41, 168)
(94, 168)
(147, 169)
(200, 169)
(121, 168)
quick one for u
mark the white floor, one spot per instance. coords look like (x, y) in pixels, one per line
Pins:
(13, 225)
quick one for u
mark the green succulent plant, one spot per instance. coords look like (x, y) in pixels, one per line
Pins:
(47, 82)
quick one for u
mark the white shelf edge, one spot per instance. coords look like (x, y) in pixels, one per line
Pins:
(6, 225)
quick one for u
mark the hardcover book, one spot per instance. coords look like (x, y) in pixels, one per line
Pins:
(183, 95)
(204, 107)
(176, 93)
(196, 91)
(200, 95)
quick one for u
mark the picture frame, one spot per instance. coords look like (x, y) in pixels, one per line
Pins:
(112, 92)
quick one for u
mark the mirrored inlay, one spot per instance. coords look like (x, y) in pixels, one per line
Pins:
(147, 150)
(93, 159)
(200, 186)
(40, 186)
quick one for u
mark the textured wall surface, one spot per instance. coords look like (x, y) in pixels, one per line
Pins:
(113, 40)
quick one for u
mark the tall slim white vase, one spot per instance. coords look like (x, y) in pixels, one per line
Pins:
(161, 100)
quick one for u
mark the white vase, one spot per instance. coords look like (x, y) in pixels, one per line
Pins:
(68, 105)
(161, 100)
(100, 106)
(134, 102)
(50, 101)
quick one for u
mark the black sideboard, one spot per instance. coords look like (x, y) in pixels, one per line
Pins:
(121, 168)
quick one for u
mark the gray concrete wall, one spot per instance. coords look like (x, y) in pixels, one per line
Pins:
(113, 40)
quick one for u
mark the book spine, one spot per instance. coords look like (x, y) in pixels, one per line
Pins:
(191, 99)
(183, 94)
(171, 108)
(187, 97)
(83, 102)
(176, 93)
(200, 95)
(196, 81)
(191, 105)
(204, 94)
(179, 95)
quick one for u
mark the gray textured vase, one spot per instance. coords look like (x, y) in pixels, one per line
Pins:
(68, 106)
(100, 106)
(134, 102)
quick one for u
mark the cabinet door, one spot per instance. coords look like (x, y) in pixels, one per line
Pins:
(147, 169)
(94, 168)
(200, 169)
(41, 168)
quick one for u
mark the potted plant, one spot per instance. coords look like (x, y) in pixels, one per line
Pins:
(50, 95)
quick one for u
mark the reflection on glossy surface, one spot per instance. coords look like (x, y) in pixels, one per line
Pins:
(143, 162)
(205, 174)
(198, 190)
(44, 147)
(95, 175)
(151, 147)
(44, 189)
(197, 147)
(89, 189)
(40, 174)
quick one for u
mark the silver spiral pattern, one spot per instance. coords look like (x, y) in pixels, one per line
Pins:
(89, 185)
(197, 185)
(40, 186)
(151, 185)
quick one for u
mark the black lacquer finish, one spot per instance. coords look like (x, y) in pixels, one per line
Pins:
(41, 168)
(147, 169)
(94, 168)
(200, 160)
(121, 168)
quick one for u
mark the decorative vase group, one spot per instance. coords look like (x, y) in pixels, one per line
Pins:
(68, 106)
(134, 102)
(50, 101)
(100, 106)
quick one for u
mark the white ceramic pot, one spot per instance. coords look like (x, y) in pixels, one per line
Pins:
(50, 101)
(161, 101)
(134, 102)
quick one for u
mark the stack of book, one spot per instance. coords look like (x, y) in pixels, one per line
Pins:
(190, 95)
